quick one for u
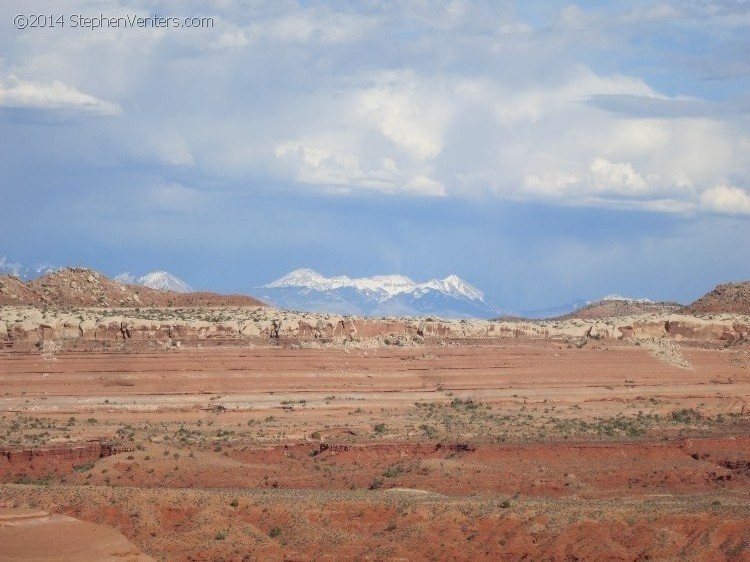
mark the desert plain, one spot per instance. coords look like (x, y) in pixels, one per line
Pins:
(239, 432)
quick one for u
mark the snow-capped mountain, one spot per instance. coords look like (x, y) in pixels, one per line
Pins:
(381, 295)
(616, 297)
(162, 280)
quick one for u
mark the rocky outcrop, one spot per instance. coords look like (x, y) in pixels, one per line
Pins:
(81, 287)
(726, 298)
(30, 325)
(619, 307)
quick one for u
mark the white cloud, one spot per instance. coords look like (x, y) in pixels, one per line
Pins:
(422, 185)
(637, 137)
(448, 98)
(551, 184)
(603, 179)
(319, 166)
(616, 177)
(334, 167)
(543, 142)
(53, 95)
(407, 111)
(727, 200)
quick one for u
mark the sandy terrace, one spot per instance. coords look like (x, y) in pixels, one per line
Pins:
(257, 380)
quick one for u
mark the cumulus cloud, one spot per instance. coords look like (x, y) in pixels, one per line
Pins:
(407, 112)
(727, 200)
(616, 177)
(335, 168)
(319, 166)
(603, 179)
(444, 98)
(18, 93)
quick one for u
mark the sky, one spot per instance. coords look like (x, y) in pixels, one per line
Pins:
(543, 151)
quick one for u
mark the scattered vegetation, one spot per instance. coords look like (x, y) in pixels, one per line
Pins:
(393, 471)
(686, 416)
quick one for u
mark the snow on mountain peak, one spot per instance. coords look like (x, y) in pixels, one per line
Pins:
(127, 278)
(303, 277)
(165, 281)
(162, 280)
(616, 297)
(386, 285)
(396, 280)
(454, 285)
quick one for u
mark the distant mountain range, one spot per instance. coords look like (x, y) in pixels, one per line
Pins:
(382, 295)
(397, 295)
(161, 280)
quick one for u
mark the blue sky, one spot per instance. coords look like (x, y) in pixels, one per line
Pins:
(543, 151)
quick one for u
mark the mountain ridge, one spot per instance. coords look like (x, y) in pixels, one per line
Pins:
(389, 284)
(380, 295)
(78, 286)
(160, 280)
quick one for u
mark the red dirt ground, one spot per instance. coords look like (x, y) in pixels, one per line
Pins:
(504, 450)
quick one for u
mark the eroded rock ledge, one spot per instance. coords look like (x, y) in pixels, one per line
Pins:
(19, 325)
